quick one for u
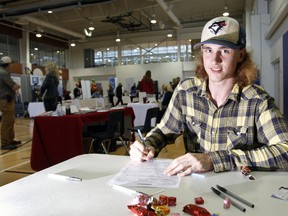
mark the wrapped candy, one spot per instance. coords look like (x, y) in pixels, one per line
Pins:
(163, 200)
(199, 200)
(161, 210)
(171, 201)
(141, 211)
(195, 210)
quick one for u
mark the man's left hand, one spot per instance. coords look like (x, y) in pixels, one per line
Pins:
(189, 163)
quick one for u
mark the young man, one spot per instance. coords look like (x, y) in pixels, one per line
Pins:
(7, 96)
(227, 121)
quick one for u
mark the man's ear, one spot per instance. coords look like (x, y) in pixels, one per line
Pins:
(242, 54)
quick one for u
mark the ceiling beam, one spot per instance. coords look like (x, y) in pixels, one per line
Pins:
(168, 11)
(54, 27)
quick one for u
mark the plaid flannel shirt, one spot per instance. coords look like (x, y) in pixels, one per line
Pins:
(247, 130)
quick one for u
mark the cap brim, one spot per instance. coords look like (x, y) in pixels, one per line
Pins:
(219, 42)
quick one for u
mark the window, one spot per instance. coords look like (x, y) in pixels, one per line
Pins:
(146, 53)
(41, 53)
(9, 46)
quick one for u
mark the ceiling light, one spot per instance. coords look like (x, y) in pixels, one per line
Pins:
(87, 33)
(50, 12)
(226, 12)
(72, 44)
(169, 35)
(91, 27)
(153, 20)
(39, 32)
(118, 39)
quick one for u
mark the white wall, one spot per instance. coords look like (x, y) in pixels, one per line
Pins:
(163, 72)
(267, 44)
(274, 35)
(261, 51)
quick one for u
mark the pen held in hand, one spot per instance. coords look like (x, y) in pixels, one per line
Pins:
(232, 201)
(142, 139)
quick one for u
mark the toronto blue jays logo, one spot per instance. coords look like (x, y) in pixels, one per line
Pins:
(217, 26)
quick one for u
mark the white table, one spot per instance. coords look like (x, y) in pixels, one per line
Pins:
(140, 110)
(89, 102)
(35, 108)
(39, 194)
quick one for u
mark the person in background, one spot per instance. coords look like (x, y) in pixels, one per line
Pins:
(133, 92)
(147, 84)
(175, 82)
(36, 93)
(119, 94)
(77, 92)
(60, 87)
(7, 102)
(49, 88)
(227, 121)
(166, 96)
(111, 94)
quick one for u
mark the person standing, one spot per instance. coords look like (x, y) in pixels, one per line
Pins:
(111, 94)
(119, 94)
(7, 99)
(77, 92)
(147, 84)
(227, 121)
(49, 88)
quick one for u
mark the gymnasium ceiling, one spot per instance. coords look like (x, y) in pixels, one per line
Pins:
(70, 18)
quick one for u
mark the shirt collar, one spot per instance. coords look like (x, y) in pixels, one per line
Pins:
(234, 95)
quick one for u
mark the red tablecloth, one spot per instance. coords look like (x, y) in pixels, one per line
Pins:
(58, 138)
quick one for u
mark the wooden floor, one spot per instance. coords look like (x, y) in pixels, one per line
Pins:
(15, 164)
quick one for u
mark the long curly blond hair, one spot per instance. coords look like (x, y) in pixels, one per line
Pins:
(51, 68)
(246, 70)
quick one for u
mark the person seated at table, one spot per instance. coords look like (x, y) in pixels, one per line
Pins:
(226, 120)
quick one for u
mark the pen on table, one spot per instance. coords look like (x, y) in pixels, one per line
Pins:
(133, 192)
(127, 190)
(235, 196)
(63, 177)
(224, 197)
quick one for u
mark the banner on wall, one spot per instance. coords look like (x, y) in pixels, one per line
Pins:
(18, 96)
(112, 81)
(86, 88)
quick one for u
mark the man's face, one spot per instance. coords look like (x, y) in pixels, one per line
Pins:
(220, 62)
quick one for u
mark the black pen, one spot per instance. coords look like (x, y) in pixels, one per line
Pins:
(142, 138)
(224, 197)
(235, 196)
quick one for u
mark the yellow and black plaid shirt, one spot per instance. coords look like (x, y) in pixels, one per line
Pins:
(247, 130)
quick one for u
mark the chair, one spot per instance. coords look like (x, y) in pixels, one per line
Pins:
(114, 131)
(151, 114)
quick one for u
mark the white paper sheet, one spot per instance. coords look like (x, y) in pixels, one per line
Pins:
(146, 174)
